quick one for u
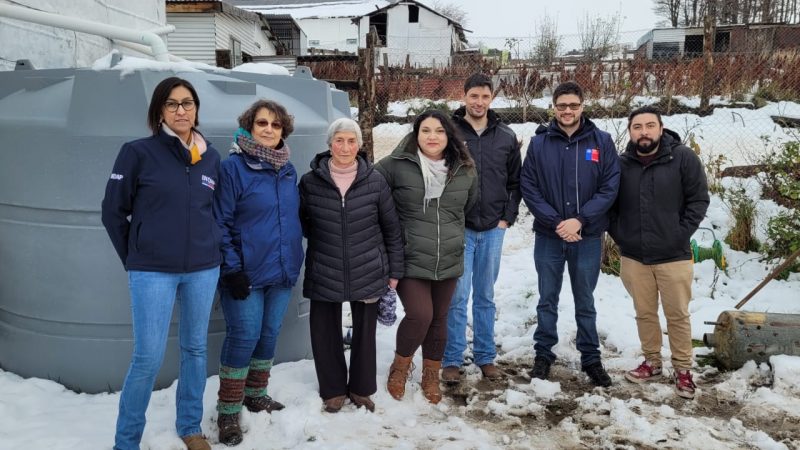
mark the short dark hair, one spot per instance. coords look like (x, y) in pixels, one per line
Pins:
(456, 150)
(645, 110)
(248, 118)
(478, 80)
(568, 87)
(160, 96)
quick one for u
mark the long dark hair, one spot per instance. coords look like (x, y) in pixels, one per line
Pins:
(456, 151)
(160, 96)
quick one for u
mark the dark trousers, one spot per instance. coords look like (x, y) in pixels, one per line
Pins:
(426, 303)
(328, 348)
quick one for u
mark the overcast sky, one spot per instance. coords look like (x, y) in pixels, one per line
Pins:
(519, 18)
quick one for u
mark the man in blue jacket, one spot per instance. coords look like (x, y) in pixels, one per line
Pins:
(495, 149)
(569, 182)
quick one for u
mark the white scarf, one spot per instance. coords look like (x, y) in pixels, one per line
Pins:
(434, 174)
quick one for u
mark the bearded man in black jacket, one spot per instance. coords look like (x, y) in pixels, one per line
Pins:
(663, 197)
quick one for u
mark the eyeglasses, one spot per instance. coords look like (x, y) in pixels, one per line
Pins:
(264, 122)
(172, 106)
(564, 106)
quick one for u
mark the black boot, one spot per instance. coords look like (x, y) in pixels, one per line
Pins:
(230, 433)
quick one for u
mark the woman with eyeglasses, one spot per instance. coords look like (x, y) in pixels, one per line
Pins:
(257, 211)
(158, 212)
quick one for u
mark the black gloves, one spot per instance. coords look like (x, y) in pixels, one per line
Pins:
(238, 284)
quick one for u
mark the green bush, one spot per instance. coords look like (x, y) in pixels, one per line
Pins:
(743, 210)
(427, 105)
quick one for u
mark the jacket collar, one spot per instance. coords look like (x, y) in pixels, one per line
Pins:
(459, 116)
(319, 165)
(669, 140)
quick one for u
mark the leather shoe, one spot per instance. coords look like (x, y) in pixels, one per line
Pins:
(334, 404)
(365, 401)
(451, 375)
(491, 372)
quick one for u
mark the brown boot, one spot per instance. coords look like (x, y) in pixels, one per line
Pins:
(196, 442)
(430, 380)
(230, 433)
(398, 374)
(451, 375)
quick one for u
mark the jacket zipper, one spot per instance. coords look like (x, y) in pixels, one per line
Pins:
(188, 229)
(280, 224)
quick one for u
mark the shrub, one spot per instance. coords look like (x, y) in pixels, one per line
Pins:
(428, 105)
(610, 262)
(743, 212)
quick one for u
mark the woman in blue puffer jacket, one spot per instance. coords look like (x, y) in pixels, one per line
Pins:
(257, 210)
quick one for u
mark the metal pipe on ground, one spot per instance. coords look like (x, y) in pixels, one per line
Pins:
(741, 336)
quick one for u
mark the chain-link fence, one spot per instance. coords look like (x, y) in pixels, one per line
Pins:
(749, 88)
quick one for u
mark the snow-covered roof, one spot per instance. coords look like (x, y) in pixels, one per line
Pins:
(306, 9)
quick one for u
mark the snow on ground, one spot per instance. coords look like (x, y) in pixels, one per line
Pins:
(757, 406)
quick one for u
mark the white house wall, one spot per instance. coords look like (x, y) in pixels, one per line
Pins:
(677, 35)
(193, 38)
(331, 33)
(247, 32)
(427, 42)
(49, 47)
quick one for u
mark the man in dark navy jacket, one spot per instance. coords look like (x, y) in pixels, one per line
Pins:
(495, 149)
(663, 197)
(569, 181)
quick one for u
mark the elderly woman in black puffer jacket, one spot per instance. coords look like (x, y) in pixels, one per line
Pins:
(355, 253)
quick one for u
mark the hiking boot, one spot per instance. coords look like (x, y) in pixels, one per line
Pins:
(398, 374)
(196, 442)
(361, 400)
(265, 403)
(430, 380)
(491, 372)
(684, 385)
(230, 433)
(451, 375)
(541, 368)
(645, 372)
(597, 374)
(334, 404)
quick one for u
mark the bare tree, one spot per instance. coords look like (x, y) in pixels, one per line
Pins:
(546, 42)
(450, 9)
(669, 9)
(598, 36)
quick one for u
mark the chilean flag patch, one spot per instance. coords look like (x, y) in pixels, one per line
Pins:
(593, 154)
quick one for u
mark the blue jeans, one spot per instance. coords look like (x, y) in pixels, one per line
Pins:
(252, 324)
(481, 267)
(153, 295)
(583, 262)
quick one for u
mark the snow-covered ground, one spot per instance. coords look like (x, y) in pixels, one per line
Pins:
(757, 406)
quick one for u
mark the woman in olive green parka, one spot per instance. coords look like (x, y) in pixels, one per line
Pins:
(433, 182)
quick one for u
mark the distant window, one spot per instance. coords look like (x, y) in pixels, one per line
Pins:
(413, 14)
(352, 42)
(236, 52)
(722, 42)
(313, 42)
(665, 50)
(693, 46)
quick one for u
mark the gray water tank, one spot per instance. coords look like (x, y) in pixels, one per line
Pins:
(64, 301)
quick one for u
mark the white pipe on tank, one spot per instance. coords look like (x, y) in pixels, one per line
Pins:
(86, 26)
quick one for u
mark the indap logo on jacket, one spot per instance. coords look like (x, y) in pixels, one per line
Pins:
(208, 182)
(593, 154)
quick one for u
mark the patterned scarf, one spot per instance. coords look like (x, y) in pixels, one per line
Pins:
(278, 157)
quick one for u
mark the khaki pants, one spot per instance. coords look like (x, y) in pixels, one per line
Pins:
(673, 281)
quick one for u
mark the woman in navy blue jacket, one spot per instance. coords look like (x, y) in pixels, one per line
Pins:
(257, 210)
(157, 211)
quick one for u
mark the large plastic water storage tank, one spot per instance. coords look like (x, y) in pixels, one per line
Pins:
(64, 303)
